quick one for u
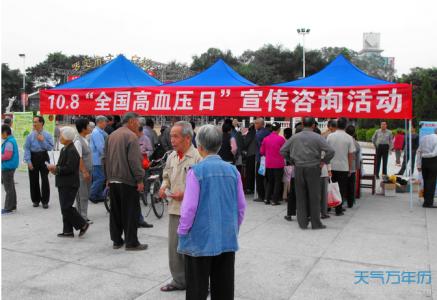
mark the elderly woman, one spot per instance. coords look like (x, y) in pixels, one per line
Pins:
(209, 241)
(67, 182)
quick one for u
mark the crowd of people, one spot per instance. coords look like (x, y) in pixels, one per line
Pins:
(212, 170)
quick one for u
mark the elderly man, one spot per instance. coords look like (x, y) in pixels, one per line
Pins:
(304, 151)
(97, 143)
(383, 141)
(427, 164)
(261, 133)
(124, 173)
(178, 163)
(36, 155)
(342, 163)
(210, 241)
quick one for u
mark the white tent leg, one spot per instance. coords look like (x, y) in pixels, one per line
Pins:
(410, 163)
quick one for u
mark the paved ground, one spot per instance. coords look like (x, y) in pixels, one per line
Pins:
(277, 260)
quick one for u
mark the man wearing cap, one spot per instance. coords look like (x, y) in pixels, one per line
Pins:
(275, 164)
(36, 155)
(97, 143)
(304, 151)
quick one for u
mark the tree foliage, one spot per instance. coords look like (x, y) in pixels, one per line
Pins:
(48, 70)
(12, 86)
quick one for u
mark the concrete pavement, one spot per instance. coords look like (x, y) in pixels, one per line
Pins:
(277, 260)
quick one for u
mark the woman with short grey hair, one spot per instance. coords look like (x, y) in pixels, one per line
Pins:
(209, 138)
(209, 241)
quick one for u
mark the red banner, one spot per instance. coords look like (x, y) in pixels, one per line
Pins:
(385, 102)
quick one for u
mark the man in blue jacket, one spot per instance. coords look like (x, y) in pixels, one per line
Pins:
(36, 155)
(9, 165)
(97, 144)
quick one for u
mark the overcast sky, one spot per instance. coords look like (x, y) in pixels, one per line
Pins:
(176, 30)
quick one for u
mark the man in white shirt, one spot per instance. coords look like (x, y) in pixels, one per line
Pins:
(341, 164)
(427, 164)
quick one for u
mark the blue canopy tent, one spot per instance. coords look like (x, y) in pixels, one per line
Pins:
(219, 74)
(119, 72)
(339, 73)
(342, 73)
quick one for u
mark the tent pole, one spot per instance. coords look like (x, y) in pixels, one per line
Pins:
(410, 164)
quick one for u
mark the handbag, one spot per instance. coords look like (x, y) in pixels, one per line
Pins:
(334, 195)
(262, 166)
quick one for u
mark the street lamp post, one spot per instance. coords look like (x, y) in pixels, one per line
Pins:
(303, 32)
(23, 94)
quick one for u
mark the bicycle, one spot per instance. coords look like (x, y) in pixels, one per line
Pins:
(152, 184)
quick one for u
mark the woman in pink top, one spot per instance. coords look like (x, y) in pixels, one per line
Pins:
(274, 164)
(398, 146)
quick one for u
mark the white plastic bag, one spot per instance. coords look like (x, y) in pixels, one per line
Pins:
(334, 195)
(262, 166)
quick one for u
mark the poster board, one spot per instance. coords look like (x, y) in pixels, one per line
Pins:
(22, 126)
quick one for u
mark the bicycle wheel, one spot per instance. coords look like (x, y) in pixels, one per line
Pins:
(143, 195)
(143, 198)
(157, 202)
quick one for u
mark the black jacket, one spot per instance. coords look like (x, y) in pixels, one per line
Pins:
(225, 150)
(67, 169)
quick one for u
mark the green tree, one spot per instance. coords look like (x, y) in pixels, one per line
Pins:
(12, 85)
(424, 83)
(330, 53)
(206, 59)
(50, 70)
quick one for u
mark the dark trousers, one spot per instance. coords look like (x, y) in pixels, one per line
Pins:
(307, 181)
(274, 184)
(125, 210)
(382, 154)
(38, 194)
(351, 190)
(260, 183)
(70, 216)
(342, 178)
(405, 161)
(291, 203)
(429, 173)
(250, 173)
(219, 270)
(9, 185)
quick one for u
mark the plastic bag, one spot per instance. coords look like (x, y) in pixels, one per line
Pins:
(145, 162)
(334, 196)
(262, 166)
